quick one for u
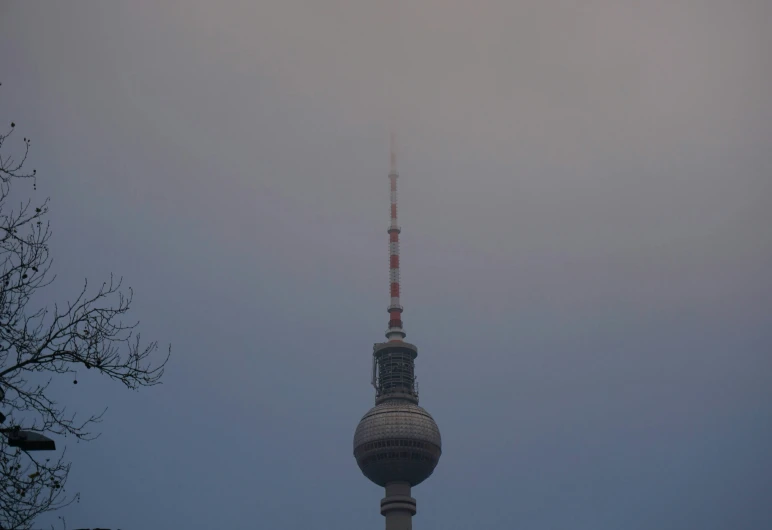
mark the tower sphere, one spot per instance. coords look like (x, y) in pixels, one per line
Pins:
(397, 441)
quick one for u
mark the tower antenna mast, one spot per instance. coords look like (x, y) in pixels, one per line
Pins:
(395, 330)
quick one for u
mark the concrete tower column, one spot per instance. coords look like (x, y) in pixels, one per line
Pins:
(398, 507)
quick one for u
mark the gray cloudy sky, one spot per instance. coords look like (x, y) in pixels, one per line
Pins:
(586, 194)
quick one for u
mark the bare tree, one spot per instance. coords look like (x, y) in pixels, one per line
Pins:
(37, 343)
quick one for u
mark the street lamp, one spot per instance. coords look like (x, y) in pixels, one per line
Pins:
(28, 440)
(25, 440)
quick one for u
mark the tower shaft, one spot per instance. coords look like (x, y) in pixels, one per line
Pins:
(398, 507)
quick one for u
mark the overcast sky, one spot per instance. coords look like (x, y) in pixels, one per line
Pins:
(586, 202)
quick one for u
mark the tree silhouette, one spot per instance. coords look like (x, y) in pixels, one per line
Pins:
(41, 342)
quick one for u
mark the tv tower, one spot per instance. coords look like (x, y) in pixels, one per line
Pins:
(397, 444)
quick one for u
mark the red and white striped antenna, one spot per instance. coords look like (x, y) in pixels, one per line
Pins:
(395, 331)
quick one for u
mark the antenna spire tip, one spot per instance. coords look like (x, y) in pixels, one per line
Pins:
(393, 145)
